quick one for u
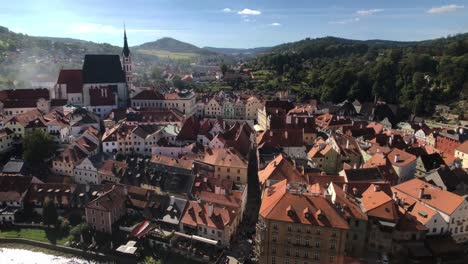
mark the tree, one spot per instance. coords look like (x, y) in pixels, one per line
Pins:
(224, 69)
(37, 147)
(151, 260)
(49, 212)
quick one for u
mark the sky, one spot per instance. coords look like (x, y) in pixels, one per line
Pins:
(235, 24)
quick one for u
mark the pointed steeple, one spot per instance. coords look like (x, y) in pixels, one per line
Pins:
(126, 50)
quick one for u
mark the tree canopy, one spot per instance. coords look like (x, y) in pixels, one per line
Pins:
(38, 146)
(417, 75)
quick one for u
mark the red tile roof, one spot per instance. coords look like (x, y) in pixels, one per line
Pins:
(149, 95)
(279, 169)
(377, 203)
(198, 214)
(433, 196)
(73, 79)
(102, 96)
(303, 208)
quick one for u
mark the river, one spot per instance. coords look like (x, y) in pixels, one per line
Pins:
(23, 256)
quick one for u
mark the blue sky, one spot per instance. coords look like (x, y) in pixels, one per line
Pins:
(236, 24)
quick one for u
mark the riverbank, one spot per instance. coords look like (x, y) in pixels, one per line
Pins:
(16, 253)
(58, 250)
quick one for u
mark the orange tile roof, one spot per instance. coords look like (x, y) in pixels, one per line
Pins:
(441, 200)
(197, 214)
(225, 158)
(378, 203)
(405, 158)
(279, 169)
(320, 212)
(415, 207)
(319, 151)
(348, 203)
(463, 147)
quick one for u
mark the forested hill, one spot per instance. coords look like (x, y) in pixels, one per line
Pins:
(172, 45)
(415, 74)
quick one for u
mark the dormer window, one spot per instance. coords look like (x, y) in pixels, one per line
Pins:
(290, 211)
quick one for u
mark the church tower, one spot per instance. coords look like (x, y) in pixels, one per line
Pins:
(127, 62)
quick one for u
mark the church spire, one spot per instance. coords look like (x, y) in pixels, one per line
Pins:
(126, 50)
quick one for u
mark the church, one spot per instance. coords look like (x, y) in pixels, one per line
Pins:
(103, 84)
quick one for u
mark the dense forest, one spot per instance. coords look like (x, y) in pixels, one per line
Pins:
(417, 75)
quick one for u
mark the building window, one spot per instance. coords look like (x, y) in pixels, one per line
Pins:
(275, 226)
(273, 250)
(289, 228)
(316, 256)
(273, 260)
(332, 258)
(275, 238)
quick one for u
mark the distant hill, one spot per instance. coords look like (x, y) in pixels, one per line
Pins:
(172, 45)
(230, 51)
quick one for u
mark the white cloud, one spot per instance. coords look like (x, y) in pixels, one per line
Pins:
(368, 12)
(345, 21)
(275, 24)
(250, 12)
(227, 10)
(84, 28)
(444, 9)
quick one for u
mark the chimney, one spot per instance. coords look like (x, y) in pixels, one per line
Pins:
(355, 191)
(171, 200)
(297, 120)
(274, 163)
(376, 188)
(210, 209)
(271, 133)
(395, 197)
(305, 120)
(347, 144)
(302, 170)
(397, 158)
(286, 134)
(205, 179)
(378, 150)
(102, 92)
(421, 192)
(345, 187)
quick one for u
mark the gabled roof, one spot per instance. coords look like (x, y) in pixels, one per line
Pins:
(114, 198)
(225, 157)
(149, 95)
(377, 203)
(102, 96)
(279, 169)
(102, 69)
(198, 214)
(189, 130)
(433, 196)
(281, 204)
(73, 79)
(404, 157)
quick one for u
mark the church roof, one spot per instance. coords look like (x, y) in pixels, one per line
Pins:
(102, 69)
(126, 50)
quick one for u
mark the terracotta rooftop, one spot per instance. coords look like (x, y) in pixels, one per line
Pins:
(279, 169)
(73, 79)
(404, 158)
(225, 157)
(377, 203)
(433, 196)
(283, 205)
(198, 214)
